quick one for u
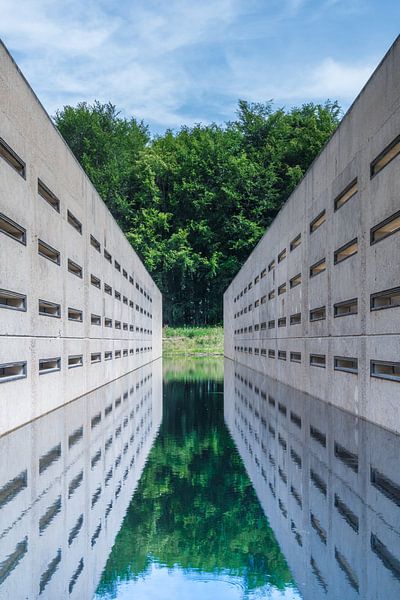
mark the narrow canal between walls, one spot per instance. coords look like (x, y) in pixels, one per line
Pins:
(199, 479)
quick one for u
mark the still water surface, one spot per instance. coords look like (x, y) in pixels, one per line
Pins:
(178, 482)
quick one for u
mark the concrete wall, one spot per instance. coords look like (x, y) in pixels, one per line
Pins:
(66, 481)
(288, 441)
(27, 336)
(371, 124)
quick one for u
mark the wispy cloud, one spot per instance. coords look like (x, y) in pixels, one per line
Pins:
(178, 61)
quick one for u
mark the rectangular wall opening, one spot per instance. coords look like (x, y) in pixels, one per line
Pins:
(295, 281)
(12, 300)
(95, 243)
(12, 158)
(48, 252)
(295, 357)
(49, 309)
(107, 256)
(318, 360)
(386, 228)
(282, 255)
(318, 268)
(318, 221)
(72, 220)
(318, 314)
(295, 319)
(385, 370)
(347, 193)
(344, 363)
(75, 315)
(12, 371)
(95, 281)
(75, 361)
(295, 243)
(282, 322)
(348, 307)
(47, 195)
(95, 357)
(49, 365)
(385, 299)
(385, 157)
(74, 268)
(346, 251)
(12, 229)
(95, 319)
(282, 354)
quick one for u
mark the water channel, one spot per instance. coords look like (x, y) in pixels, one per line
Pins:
(199, 479)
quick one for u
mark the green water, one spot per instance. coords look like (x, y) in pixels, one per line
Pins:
(194, 528)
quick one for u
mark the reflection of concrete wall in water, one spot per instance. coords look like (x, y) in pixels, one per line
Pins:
(316, 304)
(77, 306)
(328, 482)
(66, 481)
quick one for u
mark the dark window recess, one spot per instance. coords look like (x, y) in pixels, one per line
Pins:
(282, 322)
(49, 515)
(74, 484)
(347, 514)
(95, 281)
(74, 268)
(346, 364)
(346, 251)
(385, 299)
(75, 437)
(318, 360)
(295, 243)
(295, 319)
(75, 530)
(75, 315)
(346, 194)
(296, 495)
(385, 486)
(282, 255)
(117, 265)
(318, 528)
(107, 256)
(344, 565)
(295, 357)
(318, 314)
(49, 572)
(108, 355)
(49, 365)
(48, 252)
(75, 361)
(12, 229)
(385, 370)
(271, 265)
(75, 576)
(95, 243)
(12, 159)
(348, 307)
(49, 458)
(271, 324)
(108, 289)
(282, 354)
(296, 458)
(95, 535)
(12, 300)
(318, 221)
(385, 157)
(282, 409)
(388, 227)
(12, 488)
(95, 319)
(296, 419)
(72, 220)
(318, 436)
(391, 562)
(271, 353)
(49, 309)
(318, 268)
(318, 575)
(318, 482)
(95, 420)
(346, 457)
(47, 195)
(282, 289)
(95, 357)
(295, 281)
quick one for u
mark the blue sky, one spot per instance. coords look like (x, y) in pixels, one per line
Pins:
(174, 62)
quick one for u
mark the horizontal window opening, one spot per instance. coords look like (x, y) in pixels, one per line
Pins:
(107, 256)
(49, 365)
(263, 352)
(117, 265)
(346, 457)
(388, 559)
(12, 300)
(256, 303)
(131, 279)
(318, 314)
(75, 315)
(95, 281)
(318, 436)
(295, 243)
(107, 322)
(343, 363)
(47, 195)
(131, 351)
(282, 255)
(346, 251)
(95, 243)
(49, 309)
(12, 229)
(318, 575)
(51, 569)
(318, 482)
(12, 371)
(348, 307)
(344, 565)
(117, 354)
(271, 265)
(271, 295)
(125, 353)
(385, 486)
(296, 419)
(75, 361)
(282, 289)
(318, 268)
(49, 515)
(124, 273)
(318, 221)
(72, 220)
(263, 326)
(388, 227)
(347, 514)
(295, 319)
(125, 300)
(48, 252)
(271, 353)
(296, 458)
(12, 158)
(256, 327)
(295, 357)
(108, 355)
(49, 458)
(318, 360)
(95, 420)
(282, 354)
(74, 268)
(95, 319)
(117, 325)
(125, 326)
(295, 281)
(282, 322)
(75, 530)
(385, 370)
(271, 324)
(318, 528)
(347, 193)
(11, 489)
(385, 157)
(95, 357)
(263, 273)
(108, 289)
(117, 295)
(386, 299)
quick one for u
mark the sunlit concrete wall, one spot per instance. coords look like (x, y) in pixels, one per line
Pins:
(269, 327)
(328, 482)
(120, 305)
(66, 481)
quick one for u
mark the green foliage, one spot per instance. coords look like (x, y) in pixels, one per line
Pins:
(195, 202)
(193, 340)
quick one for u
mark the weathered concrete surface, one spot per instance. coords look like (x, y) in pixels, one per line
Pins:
(28, 336)
(371, 124)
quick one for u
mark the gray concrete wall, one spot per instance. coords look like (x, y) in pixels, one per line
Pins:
(28, 336)
(271, 424)
(116, 428)
(371, 124)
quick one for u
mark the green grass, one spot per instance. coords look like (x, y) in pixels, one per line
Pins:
(193, 341)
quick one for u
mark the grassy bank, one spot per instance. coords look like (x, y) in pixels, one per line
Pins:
(193, 341)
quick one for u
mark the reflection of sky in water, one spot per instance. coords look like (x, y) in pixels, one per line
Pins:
(162, 583)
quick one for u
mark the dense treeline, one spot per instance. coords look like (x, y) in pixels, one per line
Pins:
(195, 202)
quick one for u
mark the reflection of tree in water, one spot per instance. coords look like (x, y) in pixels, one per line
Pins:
(195, 506)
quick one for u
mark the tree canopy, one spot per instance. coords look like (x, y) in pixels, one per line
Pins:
(195, 202)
